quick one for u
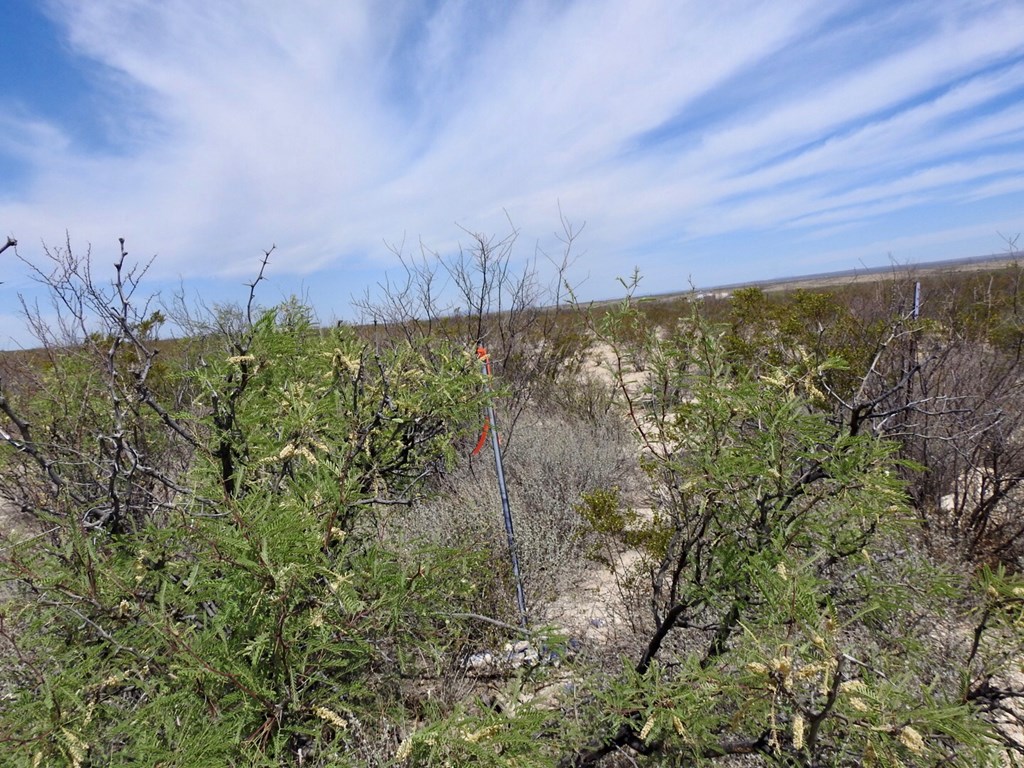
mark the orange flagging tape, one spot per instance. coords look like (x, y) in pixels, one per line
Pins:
(485, 358)
(483, 437)
(482, 354)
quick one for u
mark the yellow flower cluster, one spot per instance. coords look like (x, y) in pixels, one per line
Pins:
(798, 731)
(859, 704)
(331, 717)
(648, 727)
(783, 667)
(404, 749)
(912, 740)
(482, 733)
(77, 749)
(342, 362)
(291, 450)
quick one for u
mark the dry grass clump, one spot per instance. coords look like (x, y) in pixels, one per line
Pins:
(555, 459)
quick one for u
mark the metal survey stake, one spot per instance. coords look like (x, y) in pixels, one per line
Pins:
(492, 426)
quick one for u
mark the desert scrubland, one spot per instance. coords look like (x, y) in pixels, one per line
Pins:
(774, 528)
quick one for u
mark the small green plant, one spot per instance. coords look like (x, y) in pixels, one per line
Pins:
(604, 512)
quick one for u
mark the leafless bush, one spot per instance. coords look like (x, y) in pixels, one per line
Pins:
(483, 296)
(946, 384)
(970, 441)
(113, 448)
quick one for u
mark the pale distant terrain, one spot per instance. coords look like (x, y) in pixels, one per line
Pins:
(865, 274)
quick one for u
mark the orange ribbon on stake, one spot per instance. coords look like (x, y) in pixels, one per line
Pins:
(486, 359)
(490, 429)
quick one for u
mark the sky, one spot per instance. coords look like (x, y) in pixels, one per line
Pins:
(704, 143)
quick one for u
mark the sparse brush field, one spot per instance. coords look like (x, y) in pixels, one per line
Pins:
(776, 529)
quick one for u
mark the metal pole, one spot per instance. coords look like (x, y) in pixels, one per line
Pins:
(503, 490)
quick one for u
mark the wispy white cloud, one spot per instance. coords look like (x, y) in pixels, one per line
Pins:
(329, 127)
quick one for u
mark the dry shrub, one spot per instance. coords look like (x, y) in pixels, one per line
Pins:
(967, 444)
(554, 461)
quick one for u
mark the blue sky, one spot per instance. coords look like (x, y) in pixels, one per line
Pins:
(710, 142)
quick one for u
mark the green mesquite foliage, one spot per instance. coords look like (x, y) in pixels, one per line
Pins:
(256, 614)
